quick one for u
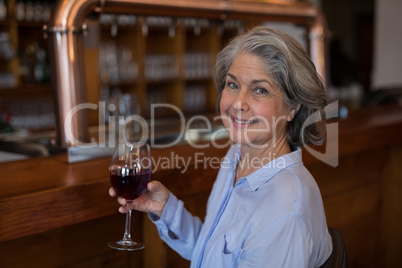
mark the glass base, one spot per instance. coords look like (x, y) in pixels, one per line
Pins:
(126, 245)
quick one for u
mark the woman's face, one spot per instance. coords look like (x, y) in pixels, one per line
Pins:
(252, 106)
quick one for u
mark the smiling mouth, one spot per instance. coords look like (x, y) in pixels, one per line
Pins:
(244, 122)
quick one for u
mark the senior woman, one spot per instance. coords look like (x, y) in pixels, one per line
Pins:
(265, 209)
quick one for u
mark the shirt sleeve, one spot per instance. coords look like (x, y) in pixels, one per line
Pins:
(288, 243)
(177, 227)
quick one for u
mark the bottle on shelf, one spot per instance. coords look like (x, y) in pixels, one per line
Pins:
(3, 10)
(20, 10)
(41, 69)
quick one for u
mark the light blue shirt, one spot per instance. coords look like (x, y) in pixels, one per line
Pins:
(274, 217)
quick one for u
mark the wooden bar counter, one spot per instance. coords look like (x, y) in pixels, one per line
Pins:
(55, 214)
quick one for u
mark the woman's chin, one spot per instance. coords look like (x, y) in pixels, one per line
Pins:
(242, 141)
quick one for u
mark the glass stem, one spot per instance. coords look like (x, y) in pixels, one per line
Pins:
(127, 232)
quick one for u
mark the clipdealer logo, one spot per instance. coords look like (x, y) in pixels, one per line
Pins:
(118, 124)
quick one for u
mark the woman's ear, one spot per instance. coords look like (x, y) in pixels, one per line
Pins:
(292, 112)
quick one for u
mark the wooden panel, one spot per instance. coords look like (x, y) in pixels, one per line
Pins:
(92, 82)
(390, 244)
(351, 196)
(155, 249)
(55, 208)
(80, 245)
(215, 48)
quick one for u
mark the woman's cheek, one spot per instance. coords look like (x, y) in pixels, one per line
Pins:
(224, 107)
(225, 102)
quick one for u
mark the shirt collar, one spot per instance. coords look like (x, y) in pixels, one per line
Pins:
(269, 170)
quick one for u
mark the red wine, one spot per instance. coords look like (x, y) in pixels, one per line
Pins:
(129, 184)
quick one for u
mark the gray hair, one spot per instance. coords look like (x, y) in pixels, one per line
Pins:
(292, 70)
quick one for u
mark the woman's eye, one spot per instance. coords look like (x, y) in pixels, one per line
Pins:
(232, 85)
(261, 91)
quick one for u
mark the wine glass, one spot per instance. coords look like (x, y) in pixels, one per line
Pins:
(130, 172)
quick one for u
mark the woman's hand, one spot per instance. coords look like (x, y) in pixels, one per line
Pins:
(153, 200)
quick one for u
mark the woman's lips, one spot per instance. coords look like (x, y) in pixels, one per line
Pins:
(241, 123)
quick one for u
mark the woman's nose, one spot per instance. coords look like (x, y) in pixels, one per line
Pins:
(241, 103)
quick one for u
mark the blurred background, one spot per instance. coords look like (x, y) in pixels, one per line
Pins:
(363, 59)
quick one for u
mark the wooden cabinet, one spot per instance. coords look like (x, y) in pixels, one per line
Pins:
(25, 91)
(160, 60)
(23, 50)
(156, 56)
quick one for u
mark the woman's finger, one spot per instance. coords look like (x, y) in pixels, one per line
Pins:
(122, 209)
(112, 192)
(122, 201)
